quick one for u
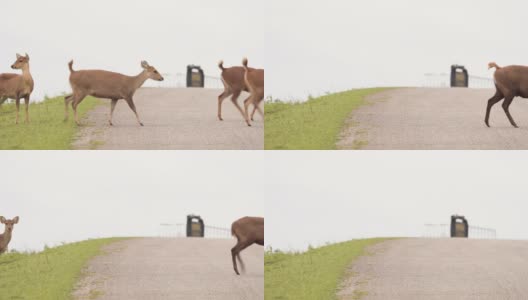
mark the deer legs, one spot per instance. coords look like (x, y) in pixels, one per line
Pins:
(132, 106)
(235, 252)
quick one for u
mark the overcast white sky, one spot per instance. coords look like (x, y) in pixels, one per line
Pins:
(118, 34)
(314, 197)
(64, 196)
(335, 45)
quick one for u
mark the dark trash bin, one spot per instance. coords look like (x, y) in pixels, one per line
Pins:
(195, 226)
(195, 76)
(459, 226)
(459, 76)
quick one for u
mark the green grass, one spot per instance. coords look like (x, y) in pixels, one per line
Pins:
(314, 274)
(47, 129)
(50, 274)
(311, 125)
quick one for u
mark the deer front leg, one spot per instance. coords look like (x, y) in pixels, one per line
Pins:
(132, 106)
(112, 107)
(26, 102)
(17, 108)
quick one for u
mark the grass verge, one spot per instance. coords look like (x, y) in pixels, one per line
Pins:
(311, 125)
(47, 130)
(314, 274)
(50, 274)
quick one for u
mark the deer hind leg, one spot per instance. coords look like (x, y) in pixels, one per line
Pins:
(112, 107)
(496, 98)
(67, 100)
(226, 93)
(506, 106)
(2, 100)
(26, 102)
(133, 108)
(77, 98)
(234, 99)
(247, 102)
(235, 252)
(256, 107)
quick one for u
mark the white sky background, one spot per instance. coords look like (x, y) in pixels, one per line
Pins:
(317, 46)
(65, 196)
(116, 35)
(316, 197)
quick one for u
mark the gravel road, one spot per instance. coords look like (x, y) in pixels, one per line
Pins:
(434, 118)
(441, 269)
(172, 268)
(174, 118)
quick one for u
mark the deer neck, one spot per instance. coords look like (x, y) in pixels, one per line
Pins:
(26, 74)
(5, 238)
(140, 79)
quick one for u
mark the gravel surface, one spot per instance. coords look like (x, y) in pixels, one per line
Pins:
(172, 268)
(434, 118)
(178, 118)
(440, 269)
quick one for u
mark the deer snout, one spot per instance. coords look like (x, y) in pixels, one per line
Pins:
(13, 67)
(161, 79)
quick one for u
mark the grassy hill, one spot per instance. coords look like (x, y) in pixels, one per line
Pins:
(311, 125)
(47, 275)
(47, 129)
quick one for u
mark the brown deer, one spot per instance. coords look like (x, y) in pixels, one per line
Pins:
(234, 85)
(254, 79)
(510, 82)
(5, 238)
(109, 85)
(17, 86)
(248, 231)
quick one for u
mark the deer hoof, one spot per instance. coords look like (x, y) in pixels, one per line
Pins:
(141, 124)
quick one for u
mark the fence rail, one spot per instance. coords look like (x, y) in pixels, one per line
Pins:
(444, 231)
(179, 80)
(444, 80)
(180, 230)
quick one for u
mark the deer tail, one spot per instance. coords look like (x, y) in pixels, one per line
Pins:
(221, 65)
(245, 63)
(493, 65)
(70, 65)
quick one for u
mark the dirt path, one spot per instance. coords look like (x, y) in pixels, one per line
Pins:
(434, 118)
(176, 118)
(441, 269)
(172, 268)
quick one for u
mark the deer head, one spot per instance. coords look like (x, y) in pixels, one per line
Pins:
(151, 71)
(9, 224)
(20, 62)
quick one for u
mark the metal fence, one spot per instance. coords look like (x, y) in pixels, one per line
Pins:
(179, 230)
(444, 80)
(444, 231)
(179, 80)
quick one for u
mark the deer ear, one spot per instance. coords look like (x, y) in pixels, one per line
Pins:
(27, 56)
(144, 64)
(2, 220)
(18, 56)
(15, 219)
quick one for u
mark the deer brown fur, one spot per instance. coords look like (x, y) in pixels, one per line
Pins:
(5, 238)
(108, 85)
(254, 79)
(248, 231)
(510, 82)
(17, 86)
(234, 85)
